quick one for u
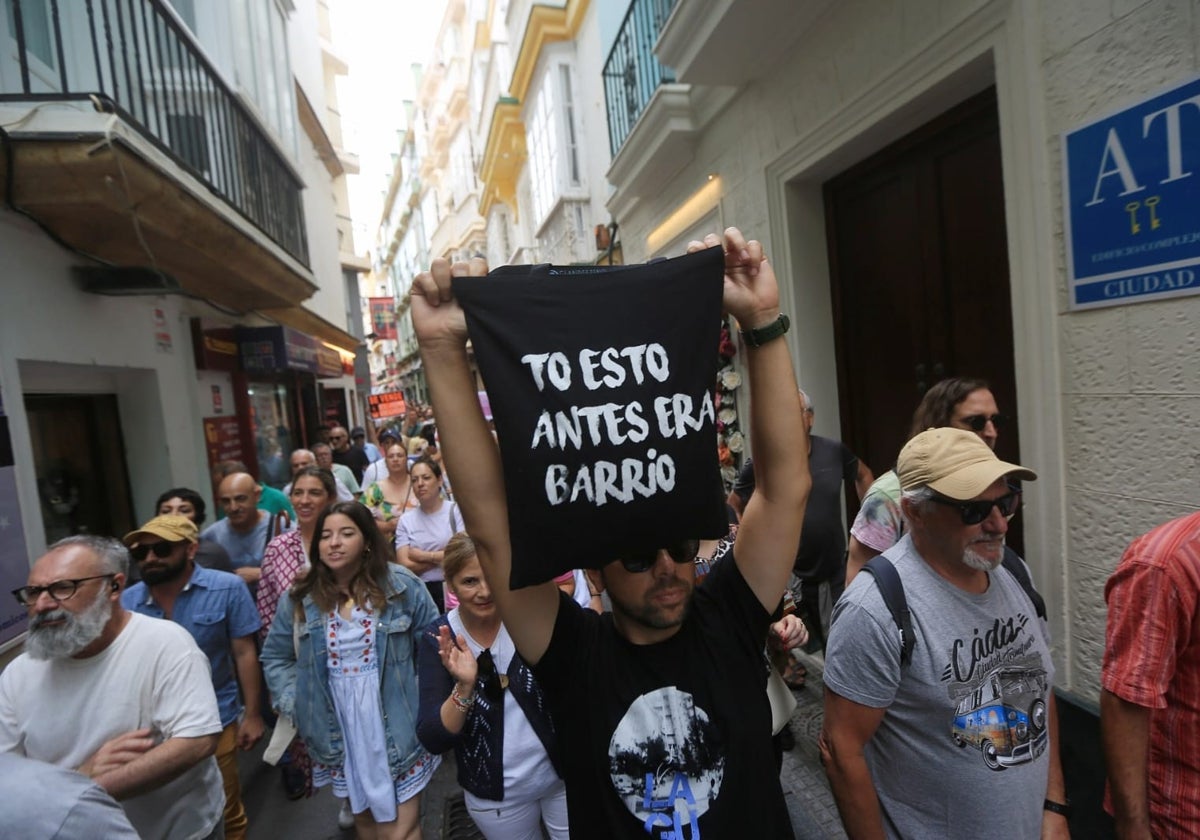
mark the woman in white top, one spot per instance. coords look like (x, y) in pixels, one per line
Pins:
(479, 698)
(424, 531)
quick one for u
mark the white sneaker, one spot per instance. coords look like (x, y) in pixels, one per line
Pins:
(345, 816)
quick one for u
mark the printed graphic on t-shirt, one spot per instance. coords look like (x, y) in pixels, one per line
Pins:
(666, 763)
(998, 683)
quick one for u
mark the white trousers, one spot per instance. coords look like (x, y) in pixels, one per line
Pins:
(522, 820)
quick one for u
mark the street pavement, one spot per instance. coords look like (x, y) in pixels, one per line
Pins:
(272, 816)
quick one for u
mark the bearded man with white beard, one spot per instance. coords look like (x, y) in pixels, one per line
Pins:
(909, 743)
(124, 699)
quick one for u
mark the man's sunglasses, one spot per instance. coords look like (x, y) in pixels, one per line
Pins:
(160, 549)
(973, 513)
(978, 422)
(636, 560)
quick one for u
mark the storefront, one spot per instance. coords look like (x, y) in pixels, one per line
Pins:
(275, 375)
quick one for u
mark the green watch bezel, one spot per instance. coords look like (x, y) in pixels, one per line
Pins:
(760, 336)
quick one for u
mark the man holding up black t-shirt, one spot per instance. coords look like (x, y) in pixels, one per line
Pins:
(661, 705)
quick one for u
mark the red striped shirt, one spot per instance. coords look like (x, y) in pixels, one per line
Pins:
(1152, 659)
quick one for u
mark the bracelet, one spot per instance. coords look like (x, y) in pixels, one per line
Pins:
(1061, 808)
(462, 704)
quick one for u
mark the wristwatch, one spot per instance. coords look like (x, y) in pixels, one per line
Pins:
(760, 336)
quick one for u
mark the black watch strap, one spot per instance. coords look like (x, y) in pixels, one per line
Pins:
(1062, 808)
(759, 337)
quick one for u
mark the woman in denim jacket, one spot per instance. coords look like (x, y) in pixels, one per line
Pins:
(480, 698)
(346, 673)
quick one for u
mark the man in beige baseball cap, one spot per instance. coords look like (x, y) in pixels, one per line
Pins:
(973, 694)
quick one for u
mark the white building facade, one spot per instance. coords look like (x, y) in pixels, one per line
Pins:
(174, 289)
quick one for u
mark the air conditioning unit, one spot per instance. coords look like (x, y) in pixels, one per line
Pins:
(118, 281)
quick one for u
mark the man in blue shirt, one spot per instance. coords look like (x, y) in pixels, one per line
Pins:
(216, 608)
(245, 530)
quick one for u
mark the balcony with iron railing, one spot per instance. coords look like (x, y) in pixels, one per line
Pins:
(177, 122)
(653, 119)
(632, 73)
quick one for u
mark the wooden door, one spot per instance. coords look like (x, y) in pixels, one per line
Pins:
(919, 272)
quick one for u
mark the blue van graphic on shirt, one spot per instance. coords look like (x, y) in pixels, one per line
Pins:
(1004, 717)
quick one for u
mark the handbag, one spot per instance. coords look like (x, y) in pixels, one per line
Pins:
(285, 728)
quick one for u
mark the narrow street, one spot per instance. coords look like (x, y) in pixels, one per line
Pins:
(810, 803)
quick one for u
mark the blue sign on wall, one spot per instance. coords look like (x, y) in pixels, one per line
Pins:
(1132, 202)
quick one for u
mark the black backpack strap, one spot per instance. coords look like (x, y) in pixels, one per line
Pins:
(1016, 568)
(892, 591)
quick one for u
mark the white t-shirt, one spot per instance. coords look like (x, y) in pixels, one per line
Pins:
(152, 676)
(429, 532)
(528, 772)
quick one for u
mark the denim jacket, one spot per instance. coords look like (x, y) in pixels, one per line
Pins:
(300, 684)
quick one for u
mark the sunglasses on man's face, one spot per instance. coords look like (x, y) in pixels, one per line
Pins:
(978, 422)
(636, 560)
(160, 549)
(973, 513)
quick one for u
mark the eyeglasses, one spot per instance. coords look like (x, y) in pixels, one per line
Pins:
(59, 591)
(160, 549)
(637, 560)
(494, 682)
(978, 422)
(973, 513)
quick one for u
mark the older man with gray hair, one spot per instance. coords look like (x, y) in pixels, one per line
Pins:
(915, 733)
(302, 458)
(124, 699)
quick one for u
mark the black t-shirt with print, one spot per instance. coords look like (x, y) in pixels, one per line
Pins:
(691, 712)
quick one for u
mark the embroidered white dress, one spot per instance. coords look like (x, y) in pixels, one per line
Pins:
(364, 775)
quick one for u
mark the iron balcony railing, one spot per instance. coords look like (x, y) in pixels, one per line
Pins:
(632, 72)
(133, 58)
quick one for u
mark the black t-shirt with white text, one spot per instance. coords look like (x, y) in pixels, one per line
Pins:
(670, 740)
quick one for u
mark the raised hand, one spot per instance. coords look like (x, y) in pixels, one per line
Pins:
(437, 317)
(457, 658)
(751, 292)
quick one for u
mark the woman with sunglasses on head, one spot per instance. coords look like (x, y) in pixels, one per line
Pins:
(340, 660)
(479, 698)
(424, 531)
(183, 501)
(960, 403)
(392, 495)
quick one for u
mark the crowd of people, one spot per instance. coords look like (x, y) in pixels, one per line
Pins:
(363, 617)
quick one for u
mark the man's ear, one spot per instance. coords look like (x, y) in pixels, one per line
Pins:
(911, 510)
(192, 549)
(595, 579)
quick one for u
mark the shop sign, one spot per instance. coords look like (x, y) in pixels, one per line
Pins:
(14, 561)
(329, 362)
(223, 440)
(269, 349)
(1132, 202)
(215, 348)
(390, 404)
(383, 317)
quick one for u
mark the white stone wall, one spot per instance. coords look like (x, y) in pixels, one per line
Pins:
(1108, 397)
(1131, 383)
(54, 338)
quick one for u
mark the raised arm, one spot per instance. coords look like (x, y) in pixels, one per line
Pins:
(471, 455)
(770, 526)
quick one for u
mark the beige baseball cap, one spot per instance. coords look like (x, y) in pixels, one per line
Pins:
(169, 528)
(954, 462)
